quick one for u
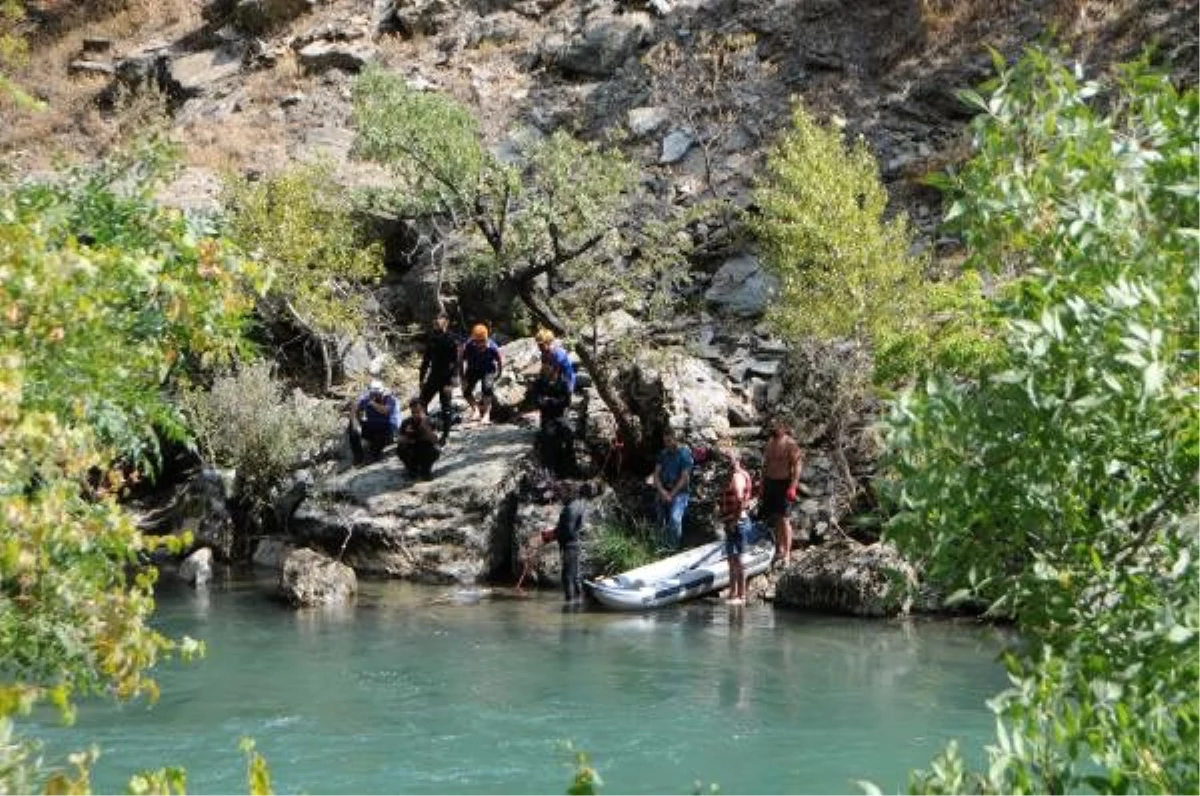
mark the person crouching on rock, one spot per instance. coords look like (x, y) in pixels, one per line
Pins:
(417, 443)
(375, 417)
(482, 364)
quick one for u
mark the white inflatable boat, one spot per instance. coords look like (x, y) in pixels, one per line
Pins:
(685, 575)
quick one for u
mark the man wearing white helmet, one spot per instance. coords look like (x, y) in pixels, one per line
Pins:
(375, 418)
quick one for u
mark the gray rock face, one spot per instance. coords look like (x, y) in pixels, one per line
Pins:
(271, 553)
(215, 529)
(255, 16)
(347, 56)
(309, 578)
(741, 287)
(604, 44)
(196, 569)
(846, 577)
(675, 146)
(454, 528)
(194, 73)
(647, 120)
(685, 391)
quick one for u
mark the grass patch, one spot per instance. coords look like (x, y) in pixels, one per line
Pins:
(620, 546)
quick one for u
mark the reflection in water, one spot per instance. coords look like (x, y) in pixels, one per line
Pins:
(410, 692)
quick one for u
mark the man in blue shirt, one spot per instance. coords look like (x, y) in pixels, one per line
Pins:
(375, 418)
(672, 477)
(556, 357)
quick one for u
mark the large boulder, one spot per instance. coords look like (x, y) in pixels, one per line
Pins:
(846, 577)
(309, 578)
(741, 287)
(456, 527)
(196, 569)
(255, 16)
(684, 392)
(195, 74)
(605, 43)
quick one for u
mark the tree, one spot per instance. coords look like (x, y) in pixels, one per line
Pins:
(853, 300)
(14, 52)
(104, 297)
(567, 228)
(299, 222)
(1061, 486)
(110, 298)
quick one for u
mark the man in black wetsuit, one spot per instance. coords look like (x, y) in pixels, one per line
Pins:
(556, 439)
(568, 533)
(439, 370)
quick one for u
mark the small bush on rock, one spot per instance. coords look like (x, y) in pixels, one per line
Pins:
(247, 422)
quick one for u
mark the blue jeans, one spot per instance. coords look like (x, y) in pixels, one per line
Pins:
(670, 518)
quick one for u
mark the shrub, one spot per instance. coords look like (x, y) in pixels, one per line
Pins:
(248, 422)
(616, 546)
(1061, 487)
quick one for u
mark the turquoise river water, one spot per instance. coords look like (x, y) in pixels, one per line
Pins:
(417, 691)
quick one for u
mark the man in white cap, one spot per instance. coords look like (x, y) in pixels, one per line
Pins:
(374, 418)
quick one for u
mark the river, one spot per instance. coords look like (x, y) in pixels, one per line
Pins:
(416, 690)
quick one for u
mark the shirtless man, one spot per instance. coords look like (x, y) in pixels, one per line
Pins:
(782, 463)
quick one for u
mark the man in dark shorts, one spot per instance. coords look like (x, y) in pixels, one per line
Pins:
(737, 525)
(482, 364)
(439, 371)
(782, 463)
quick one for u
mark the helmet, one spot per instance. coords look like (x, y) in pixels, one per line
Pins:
(479, 332)
(544, 337)
(375, 386)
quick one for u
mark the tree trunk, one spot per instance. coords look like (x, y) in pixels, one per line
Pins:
(628, 425)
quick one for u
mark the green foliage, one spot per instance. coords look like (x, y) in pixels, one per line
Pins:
(258, 773)
(567, 229)
(616, 547)
(106, 297)
(1061, 487)
(585, 780)
(14, 52)
(300, 223)
(845, 270)
(75, 603)
(431, 143)
(246, 421)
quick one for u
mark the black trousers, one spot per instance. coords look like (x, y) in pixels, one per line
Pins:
(556, 440)
(418, 457)
(376, 437)
(443, 386)
(571, 582)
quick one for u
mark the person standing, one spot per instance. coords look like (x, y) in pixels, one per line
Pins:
(568, 532)
(375, 419)
(482, 364)
(417, 442)
(672, 478)
(439, 371)
(782, 463)
(734, 501)
(556, 439)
